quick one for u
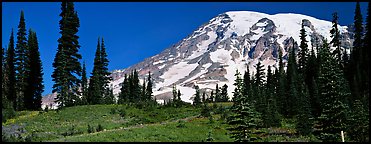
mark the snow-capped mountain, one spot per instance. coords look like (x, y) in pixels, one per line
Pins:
(231, 41)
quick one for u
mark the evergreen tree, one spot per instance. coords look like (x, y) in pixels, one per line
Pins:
(204, 97)
(246, 82)
(109, 98)
(124, 94)
(136, 88)
(335, 35)
(197, 99)
(303, 55)
(66, 62)
(244, 118)
(21, 52)
(271, 116)
(35, 85)
(174, 93)
(211, 96)
(281, 89)
(105, 75)
(179, 94)
(217, 94)
(304, 118)
(260, 97)
(10, 73)
(144, 95)
(224, 93)
(312, 75)
(292, 78)
(95, 84)
(333, 92)
(149, 87)
(84, 86)
(358, 129)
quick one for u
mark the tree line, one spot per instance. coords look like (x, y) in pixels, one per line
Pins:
(326, 92)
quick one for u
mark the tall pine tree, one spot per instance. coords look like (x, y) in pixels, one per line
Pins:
(66, 62)
(21, 52)
(10, 73)
(335, 35)
(84, 86)
(95, 93)
(35, 85)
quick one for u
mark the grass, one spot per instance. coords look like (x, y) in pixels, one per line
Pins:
(55, 124)
(124, 123)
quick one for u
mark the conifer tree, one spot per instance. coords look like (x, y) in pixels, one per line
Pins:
(144, 95)
(105, 75)
(211, 96)
(84, 85)
(95, 84)
(124, 94)
(149, 87)
(21, 52)
(335, 35)
(66, 62)
(174, 93)
(246, 82)
(10, 73)
(304, 117)
(35, 85)
(333, 92)
(224, 93)
(244, 118)
(136, 88)
(358, 129)
(197, 99)
(281, 89)
(217, 94)
(303, 54)
(292, 91)
(204, 97)
(312, 76)
(179, 94)
(260, 97)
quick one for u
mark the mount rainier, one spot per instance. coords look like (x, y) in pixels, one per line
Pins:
(231, 41)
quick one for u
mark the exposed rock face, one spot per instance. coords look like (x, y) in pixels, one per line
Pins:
(231, 41)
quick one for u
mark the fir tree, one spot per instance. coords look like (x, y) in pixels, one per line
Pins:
(358, 129)
(260, 97)
(211, 99)
(281, 95)
(21, 52)
(312, 75)
(105, 75)
(204, 97)
(246, 82)
(333, 91)
(217, 94)
(244, 118)
(123, 96)
(149, 87)
(197, 99)
(66, 62)
(335, 35)
(179, 94)
(303, 55)
(224, 93)
(304, 118)
(144, 95)
(135, 90)
(292, 78)
(10, 73)
(35, 85)
(174, 93)
(95, 84)
(84, 86)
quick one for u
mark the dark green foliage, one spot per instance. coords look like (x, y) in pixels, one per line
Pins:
(244, 118)
(174, 93)
(281, 89)
(311, 81)
(21, 51)
(304, 118)
(333, 92)
(91, 129)
(179, 94)
(358, 129)
(259, 92)
(149, 92)
(303, 54)
(271, 117)
(197, 98)
(66, 62)
(224, 93)
(291, 89)
(205, 111)
(99, 128)
(204, 97)
(335, 35)
(10, 73)
(34, 87)
(211, 99)
(217, 94)
(84, 86)
(124, 94)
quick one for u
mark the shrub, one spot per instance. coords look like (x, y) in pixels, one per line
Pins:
(90, 129)
(99, 128)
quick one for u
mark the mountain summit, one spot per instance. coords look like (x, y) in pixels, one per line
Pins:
(231, 41)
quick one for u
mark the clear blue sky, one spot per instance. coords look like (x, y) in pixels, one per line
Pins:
(137, 30)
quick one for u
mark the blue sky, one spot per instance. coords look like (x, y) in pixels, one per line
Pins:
(134, 31)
